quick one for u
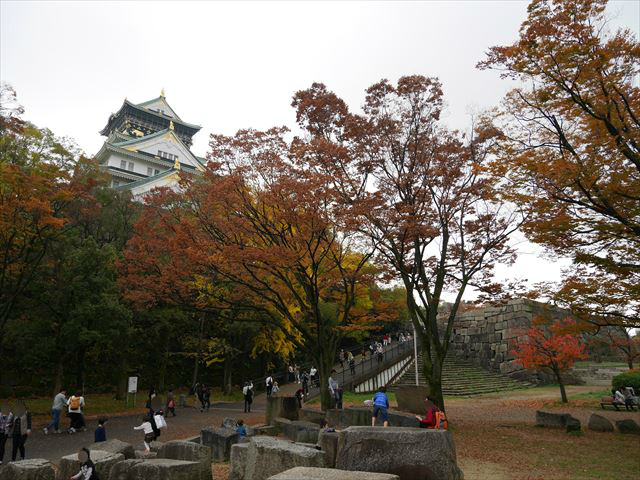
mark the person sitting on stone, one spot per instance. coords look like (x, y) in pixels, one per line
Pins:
(241, 429)
(324, 426)
(434, 418)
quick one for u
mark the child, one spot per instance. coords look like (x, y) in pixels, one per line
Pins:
(241, 429)
(100, 434)
(171, 404)
(87, 469)
(380, 405)
(149, 436)
(324, 426)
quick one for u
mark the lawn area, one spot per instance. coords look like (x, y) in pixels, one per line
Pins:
(496, 437)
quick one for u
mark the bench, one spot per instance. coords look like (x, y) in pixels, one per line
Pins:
(608, 402)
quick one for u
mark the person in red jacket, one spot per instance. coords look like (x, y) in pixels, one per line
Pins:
(434, 417)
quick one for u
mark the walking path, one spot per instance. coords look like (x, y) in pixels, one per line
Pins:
(189, 420)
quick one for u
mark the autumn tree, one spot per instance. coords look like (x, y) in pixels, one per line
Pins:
(417, 191)
(570, 150)
(257, 233)
(555, 347)
(620, 340)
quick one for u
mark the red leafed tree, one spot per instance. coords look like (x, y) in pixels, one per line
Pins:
(553, 347)
(257, 232)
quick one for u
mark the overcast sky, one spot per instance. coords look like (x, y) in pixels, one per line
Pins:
(227, 66)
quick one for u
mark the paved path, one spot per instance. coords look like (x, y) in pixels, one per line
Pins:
(188, 423)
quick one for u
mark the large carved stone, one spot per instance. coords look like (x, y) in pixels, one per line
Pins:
(31, 469)
(598, 423)
(104, 461)
(267, 456)
(410, 453)
(284, 407)
(220, 441)
(115, 446)
(189, 451)
(158, 469)
(557, 420)
(328, 442)
(309, 473)
(238, 461)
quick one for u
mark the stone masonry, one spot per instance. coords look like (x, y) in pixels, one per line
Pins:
(487, 336)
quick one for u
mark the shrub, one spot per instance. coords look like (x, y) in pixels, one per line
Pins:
(628, 379)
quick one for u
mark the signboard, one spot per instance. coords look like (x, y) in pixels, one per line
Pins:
(133, 385)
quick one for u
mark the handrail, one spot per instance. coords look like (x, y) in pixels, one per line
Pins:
(261, 381)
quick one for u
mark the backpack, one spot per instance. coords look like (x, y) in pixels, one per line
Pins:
(441, 421)
(74, 404)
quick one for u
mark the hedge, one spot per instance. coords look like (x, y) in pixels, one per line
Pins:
(628, 379)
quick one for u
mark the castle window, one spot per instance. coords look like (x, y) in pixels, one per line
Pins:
(149, 171)
(131, 166)
(168, 156)
(157, 171)
(123, 164)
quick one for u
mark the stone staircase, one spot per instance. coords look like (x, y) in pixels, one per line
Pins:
(460, 377)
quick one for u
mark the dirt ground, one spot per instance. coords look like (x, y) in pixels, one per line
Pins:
(496, 439)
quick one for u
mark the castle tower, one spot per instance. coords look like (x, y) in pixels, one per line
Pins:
(147, 144)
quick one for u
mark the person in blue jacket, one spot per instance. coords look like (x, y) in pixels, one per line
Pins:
(380, 406)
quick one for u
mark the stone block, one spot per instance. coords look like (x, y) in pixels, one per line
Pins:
(115, 446)
(122, 470)
(410, 453)
(219, 440)
(229, 423)
(104, 461)
(189, 451)
(328, 443)
(31, 469)
(238, 461)
(411, 398)
(268, 456)
(402, 419)
(302, 431)
(557, 420)
(311, 415)
(309, 473)
(598, 423)
(158, 469)
(284, 407)
(155, 445)
(628, 426)
(144, 455)
(265, 430)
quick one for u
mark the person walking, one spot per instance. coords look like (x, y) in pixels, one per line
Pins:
(305, 383)
(59, 403)
(6, 418)
(20, 429)
(269, 383)
(341, 357)
(290, 375)
(352, 364)
(364, 352)
(313, 373)
(335, 390)
(76, 405)
(149, 435)
(200, 395)
(171, 403)
(206, 397)
(247, 392)
(296, 371)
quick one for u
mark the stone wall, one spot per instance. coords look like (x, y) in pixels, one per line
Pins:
(487, 336)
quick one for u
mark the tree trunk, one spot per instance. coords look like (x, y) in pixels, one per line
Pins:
(630, 363)
(198, 354)
(432, 367)
(80, 371)
(123, 379)
(226, 382)
(563, 393)
(59, 374)
(162, 371)
(325, 365)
